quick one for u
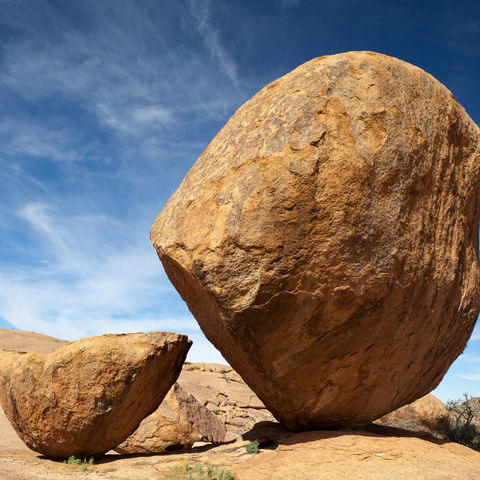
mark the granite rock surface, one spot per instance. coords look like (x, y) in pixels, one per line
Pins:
(326, 241)
(88, 396)
(178, 423)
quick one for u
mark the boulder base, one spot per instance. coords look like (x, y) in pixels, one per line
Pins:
(326, 241)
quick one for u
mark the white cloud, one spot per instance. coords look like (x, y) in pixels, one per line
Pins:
(135, 119)
(210, 36)
(22, 136)
(469, 358)
(132, 80)
(109, 113)
(155, 114)
(73, 292)
(37, 215)
(474, 377)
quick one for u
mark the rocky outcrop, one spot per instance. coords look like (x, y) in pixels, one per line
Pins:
(356, 455)
(211, 403)
(178, 423)
(326, 241)
(217, 387)
(428, 414)
(90, 395)
(220, 389)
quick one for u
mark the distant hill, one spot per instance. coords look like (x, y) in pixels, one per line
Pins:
(22, 341)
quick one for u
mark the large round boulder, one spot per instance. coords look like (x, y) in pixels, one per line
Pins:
(326, 241)
(88, 396)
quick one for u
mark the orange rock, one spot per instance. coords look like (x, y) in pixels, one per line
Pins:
(326, 241)
(178, 423)
(90, 395)
(223, 391)
(360, 455)
(428, 412)
(22, 341)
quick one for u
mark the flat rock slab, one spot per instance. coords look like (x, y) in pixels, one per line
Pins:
(322, 455)
(88, 396)
(326, 241)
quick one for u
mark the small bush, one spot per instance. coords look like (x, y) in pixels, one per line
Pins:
(197, 472)
(462, 427)
(74, 460)
(252, 447)
(216, 411)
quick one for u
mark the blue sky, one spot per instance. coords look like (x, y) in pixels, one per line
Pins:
(105, 105)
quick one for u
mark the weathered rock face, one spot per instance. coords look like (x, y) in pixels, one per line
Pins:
(327, 239)
(90, 395)
(222, 390)
(178, 422)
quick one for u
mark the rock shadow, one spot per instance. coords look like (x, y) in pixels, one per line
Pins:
(271, 434)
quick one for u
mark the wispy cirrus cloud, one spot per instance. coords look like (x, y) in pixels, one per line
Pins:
(82, 283)
(468, 363)
(201, 13)
(476, 334)
(129, 69)
(123, 93)
(34, 138)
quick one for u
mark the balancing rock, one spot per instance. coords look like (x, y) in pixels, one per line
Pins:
(90, 395)
(326, 241)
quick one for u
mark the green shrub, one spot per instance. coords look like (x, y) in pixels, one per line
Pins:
(252, 447)
(74, 460)
(197, 472)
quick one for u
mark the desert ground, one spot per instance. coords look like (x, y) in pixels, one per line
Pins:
(379, 452)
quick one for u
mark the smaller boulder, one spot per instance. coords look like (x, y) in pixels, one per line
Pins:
(179, 422)
(90, 395)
